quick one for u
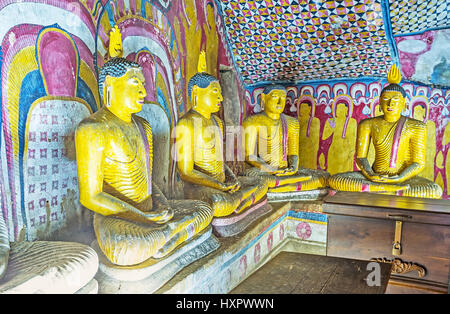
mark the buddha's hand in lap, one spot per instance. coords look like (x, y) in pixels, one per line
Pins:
(385, 179)
(230, 187)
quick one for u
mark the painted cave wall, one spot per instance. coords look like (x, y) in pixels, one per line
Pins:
(51, 52)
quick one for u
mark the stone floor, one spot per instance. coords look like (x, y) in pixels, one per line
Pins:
(299, 273)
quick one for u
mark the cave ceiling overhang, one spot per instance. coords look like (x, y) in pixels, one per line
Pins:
(289, 41)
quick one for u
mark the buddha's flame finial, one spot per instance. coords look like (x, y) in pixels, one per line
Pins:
(115, 43)
(201, 68)
(394, 75)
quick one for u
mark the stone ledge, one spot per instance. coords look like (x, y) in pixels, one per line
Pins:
(239, 256)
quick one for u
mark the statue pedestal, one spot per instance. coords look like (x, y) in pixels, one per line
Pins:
(236, 223)
(50, 267)
(312, 195)
(150, 275)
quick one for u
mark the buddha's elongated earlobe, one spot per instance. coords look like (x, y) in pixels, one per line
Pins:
(108, 96)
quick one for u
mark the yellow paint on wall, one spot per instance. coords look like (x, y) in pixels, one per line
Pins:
(192, 41)
(88, 77)
(23, 63)
(342, 149)
(371, 154)
(428, 172)
(149, 12)
(440, 160)
(162, 86)
(322, 161)
(212, 42)
(104, 22)
(309, 145)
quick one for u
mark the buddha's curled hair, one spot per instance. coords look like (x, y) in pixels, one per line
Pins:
(272, 87)
(394, 88)
(201, 80)
(116, 67)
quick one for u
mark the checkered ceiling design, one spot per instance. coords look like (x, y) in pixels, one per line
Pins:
(412, 16)
(288, 40)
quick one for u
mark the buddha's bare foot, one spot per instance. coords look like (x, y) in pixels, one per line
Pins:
(169, 246)
(159, 216)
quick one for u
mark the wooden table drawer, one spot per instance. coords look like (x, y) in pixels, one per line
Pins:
(424, 245)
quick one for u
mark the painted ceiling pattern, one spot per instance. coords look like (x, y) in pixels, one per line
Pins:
(288, 40)
(314, 40)
(412, 16)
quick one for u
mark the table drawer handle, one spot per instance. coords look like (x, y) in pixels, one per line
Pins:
(399, 217)
(400, 267)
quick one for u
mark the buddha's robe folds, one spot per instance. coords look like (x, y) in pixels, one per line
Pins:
(396, 150)
(127, 238)
(274, 142)
(207, 144)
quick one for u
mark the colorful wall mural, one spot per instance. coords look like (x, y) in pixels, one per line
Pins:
(422, 37)
(291, 40)
(51, 52)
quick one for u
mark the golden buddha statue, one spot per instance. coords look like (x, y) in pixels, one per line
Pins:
(133, 220)
(400, 150)
(272, 147)
(200, 153)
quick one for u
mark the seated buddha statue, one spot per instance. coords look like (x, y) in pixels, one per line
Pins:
(400, 150)
(271, 143)
(200, 152)
(133, 220)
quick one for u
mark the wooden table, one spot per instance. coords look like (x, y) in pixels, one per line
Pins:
(295, 273)
(413, 233)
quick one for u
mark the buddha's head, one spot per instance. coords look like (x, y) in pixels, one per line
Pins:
(121, 84)
(392, 102)
(274, 99)
(419, 112)
(393, 96)
(205, 93)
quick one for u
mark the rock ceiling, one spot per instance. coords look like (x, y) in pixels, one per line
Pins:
(313, 40)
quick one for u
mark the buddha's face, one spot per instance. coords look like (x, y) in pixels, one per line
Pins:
(419, 113)
(209, 98)
(275, 101)
(127, 91)
(392, 103)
